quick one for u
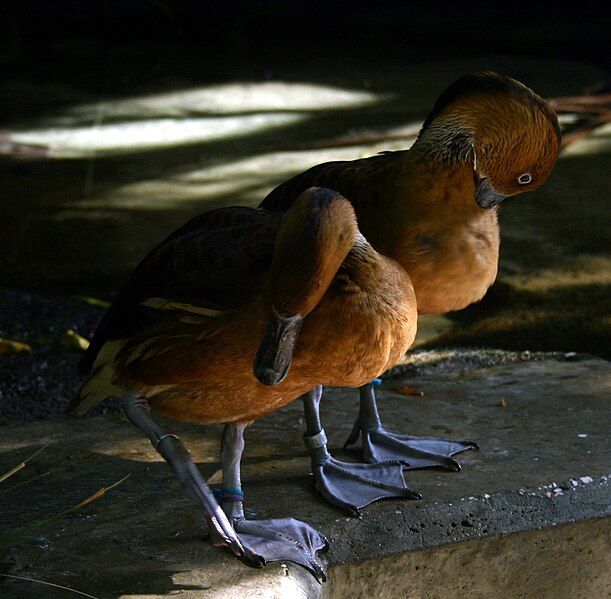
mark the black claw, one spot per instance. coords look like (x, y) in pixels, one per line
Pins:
(354, 435)
(252, 560)
(454, 466)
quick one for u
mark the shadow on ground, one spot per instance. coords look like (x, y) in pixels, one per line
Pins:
(78, 225)
(541, 464)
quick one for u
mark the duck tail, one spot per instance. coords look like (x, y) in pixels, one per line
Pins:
(100, 383)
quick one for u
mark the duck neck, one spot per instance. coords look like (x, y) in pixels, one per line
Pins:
(315, 237)
(429, 193)
(447, 184)
(447, 142)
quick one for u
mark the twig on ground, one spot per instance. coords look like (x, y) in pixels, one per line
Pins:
(50, 584)
(25, 482)
(21, 466)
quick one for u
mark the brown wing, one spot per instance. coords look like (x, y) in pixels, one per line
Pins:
(216, 260)
(354, 179)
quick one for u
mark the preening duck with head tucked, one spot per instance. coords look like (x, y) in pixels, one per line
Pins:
(236, 314)
(433, 208)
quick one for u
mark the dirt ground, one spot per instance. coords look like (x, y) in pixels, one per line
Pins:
(122, 172)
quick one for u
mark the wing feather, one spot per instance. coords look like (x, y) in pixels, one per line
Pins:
(352, 178)
(212, 263)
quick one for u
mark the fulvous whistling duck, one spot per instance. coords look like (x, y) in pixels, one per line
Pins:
(236, 314)
(433, 208)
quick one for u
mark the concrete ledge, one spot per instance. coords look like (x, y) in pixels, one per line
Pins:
(525, 511)
(564, 561)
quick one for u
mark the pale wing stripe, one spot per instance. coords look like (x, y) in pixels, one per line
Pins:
(158, 303)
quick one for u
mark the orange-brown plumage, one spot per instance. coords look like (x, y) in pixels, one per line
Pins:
(196, 362)
(213, 317)
(419, 206)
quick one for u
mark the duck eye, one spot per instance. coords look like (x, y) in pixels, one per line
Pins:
(525, 178)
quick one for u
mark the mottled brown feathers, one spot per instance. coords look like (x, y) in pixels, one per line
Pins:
(493, 85)
(199, 261)
(345, 177)
(193, 359)
(419, 206)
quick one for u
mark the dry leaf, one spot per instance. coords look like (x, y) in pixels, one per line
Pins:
(92, 301)
(99, 493)
(72, 340)
(405, 390)
(21, 466)
(502, 403)
(10, 346)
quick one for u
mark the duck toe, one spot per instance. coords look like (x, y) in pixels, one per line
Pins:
(285, 539)
(354, 486)
(414, 453)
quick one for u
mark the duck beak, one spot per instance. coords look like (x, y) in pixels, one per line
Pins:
(485, 194)
(275, 353)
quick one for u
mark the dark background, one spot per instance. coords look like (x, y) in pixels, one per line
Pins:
(113, 47)
(59, 234)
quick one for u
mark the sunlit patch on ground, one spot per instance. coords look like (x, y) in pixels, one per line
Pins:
(232, 98)
(184, 117)
(122, 138)
(125, 172)
(598, 141)
(248, 180)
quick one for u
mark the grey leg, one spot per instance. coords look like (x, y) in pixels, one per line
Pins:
(349, 486)
(414, 452)
(176, 454)
(232, 448)
(270, 540)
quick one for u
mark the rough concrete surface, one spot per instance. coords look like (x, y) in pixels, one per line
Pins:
(563, 561)
(529, 503)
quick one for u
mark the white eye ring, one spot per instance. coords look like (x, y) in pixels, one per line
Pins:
(525, 178)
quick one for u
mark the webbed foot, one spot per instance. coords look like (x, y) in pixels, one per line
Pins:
(380, 445)
(282, 539)
(354, 486)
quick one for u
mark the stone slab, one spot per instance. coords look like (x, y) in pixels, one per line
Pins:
(543, 464)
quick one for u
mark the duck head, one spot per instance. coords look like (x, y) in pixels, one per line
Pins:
(315, 236)
(506, 132)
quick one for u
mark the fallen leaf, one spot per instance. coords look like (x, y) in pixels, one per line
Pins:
(405, 390)
(92, 301)
(502, 403)
(99, 493)
(10, 346)
(72, 340)
(21, 466)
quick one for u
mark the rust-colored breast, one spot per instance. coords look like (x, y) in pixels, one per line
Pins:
(451, 267)
(363, 325)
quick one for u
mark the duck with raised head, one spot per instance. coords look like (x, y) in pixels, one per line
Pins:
(236, 314)
(433, 208)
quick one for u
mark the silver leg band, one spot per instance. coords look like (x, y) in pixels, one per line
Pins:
(158, 442)
(313, 442)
